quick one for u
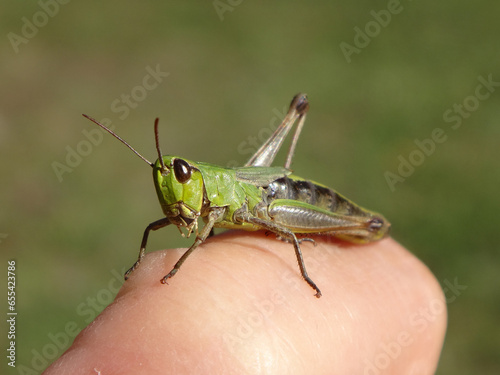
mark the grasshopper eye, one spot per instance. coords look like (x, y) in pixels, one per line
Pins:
(182, 171)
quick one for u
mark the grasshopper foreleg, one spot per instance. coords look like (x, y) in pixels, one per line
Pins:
(285, 234)
(213, 216)
(153, 226)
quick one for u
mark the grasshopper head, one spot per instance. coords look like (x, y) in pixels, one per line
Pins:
(178, 182)
(180, 189)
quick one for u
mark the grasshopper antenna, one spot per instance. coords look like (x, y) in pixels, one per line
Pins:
(119, 138)
(157, 140)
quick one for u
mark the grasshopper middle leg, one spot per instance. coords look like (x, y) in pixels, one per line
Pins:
(286, 234)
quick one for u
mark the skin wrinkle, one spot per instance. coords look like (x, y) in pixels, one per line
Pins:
(260, 247)
(224, 270)
(270, 256)
(269, 353)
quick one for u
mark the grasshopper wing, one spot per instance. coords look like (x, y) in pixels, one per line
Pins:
(260, 176)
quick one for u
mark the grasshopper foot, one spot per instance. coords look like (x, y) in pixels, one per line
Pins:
(300, 240)
(130, 270)
(136, 264)
(168, 276)
(313, 285)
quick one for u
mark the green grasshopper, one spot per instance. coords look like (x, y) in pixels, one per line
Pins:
(256, 196)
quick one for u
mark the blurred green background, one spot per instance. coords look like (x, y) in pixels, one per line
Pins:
(233, 68)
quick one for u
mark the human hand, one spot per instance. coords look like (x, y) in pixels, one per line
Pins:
(239, 305)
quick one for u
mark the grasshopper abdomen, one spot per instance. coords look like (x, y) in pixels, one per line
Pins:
(308, 207)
